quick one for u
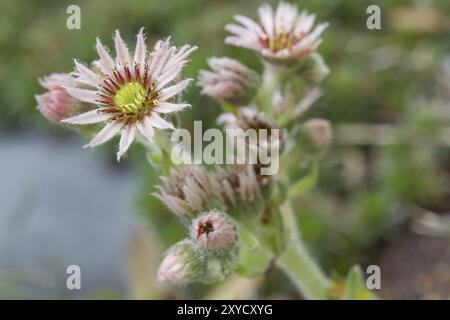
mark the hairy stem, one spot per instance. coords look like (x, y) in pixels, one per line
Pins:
(269, 84)
(296, 262)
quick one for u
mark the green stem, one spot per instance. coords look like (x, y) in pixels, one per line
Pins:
(269, 84)
(159, 151)
(296, 262)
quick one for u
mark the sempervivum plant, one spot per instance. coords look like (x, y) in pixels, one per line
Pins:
(239, 218)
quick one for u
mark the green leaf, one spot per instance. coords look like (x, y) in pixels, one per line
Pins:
(355, 286)
(254, 259)
(229, 108)
(306, 183)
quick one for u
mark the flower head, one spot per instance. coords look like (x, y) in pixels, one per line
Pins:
(56, 104)
(229, 81)
(186, 191)
(131, 92)
(214, 231)
(283, 35)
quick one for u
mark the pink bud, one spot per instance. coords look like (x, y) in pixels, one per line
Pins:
(56, 104)
(319, 131)
(214, 231)
(175, 267)
(229, 81)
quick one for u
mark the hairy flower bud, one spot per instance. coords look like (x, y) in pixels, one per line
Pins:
(214, 231)
(229, 81)
(314, 69)
(177, 264)
(56, 104)
(315, 135)
(237, 184)
(186, 191)
(196, 261)
(268, 139)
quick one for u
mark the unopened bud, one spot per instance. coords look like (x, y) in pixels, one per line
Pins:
(188, 261)
(186, 191)
(229, 81)
(56, 104)
(314, 69)
(177, 264)
(214, 231)
(237, 185)
(315, 135)
(267, 139)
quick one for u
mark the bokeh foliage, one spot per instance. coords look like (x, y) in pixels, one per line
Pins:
(377, 76)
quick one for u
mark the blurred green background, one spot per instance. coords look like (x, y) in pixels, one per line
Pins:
(395, 75)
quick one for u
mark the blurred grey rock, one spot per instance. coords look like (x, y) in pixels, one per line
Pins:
(61, 205)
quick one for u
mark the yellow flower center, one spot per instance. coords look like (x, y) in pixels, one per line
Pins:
(282, 40)
(131, 97)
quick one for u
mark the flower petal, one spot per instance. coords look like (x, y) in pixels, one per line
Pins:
(304, 22)
(285, 16)
(315, 34)
(42, 98)
(182, 55)
(123, 55)
(92, 78)
(169, 75)
(106, 63)
(140, 51)
(159, 122)
(171, 91)
(127, 137)
(146, 129)
(250, 24)
(108, 131)
(266, 17)
(93, 116)
(83, 94)
(241, 31)
(160, 59)
(167, 107)
(243, 42)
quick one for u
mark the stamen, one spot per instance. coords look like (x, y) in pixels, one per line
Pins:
(107, 88)
(115, 85)
(118, 76)
(127, 72)
(137, 74)
(282, 40)
(132, 98)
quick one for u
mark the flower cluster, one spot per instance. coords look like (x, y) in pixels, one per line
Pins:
(233, 211)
